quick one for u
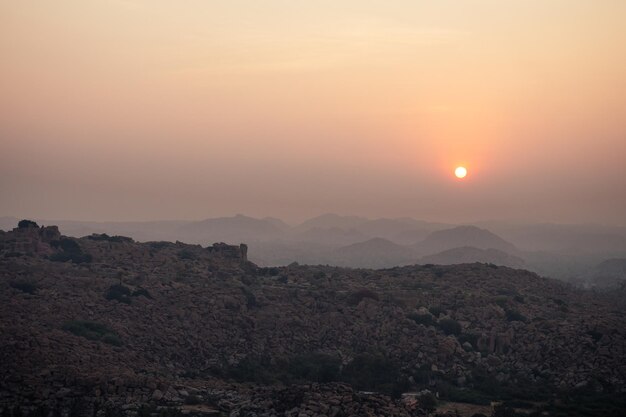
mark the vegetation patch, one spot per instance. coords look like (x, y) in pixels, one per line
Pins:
(514, 315)
(24, 286)
(24, 224)
(450, 326)
(186, 254)
(374, 373)
(357, 296)
(93, 331)
(119, 293)
(141, 292)
(103, 237)
(425, 319)
(69, 250)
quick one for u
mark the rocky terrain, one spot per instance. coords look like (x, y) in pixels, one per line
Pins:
(569, 252)
(103, 325)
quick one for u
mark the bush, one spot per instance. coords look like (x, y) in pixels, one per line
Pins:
(75, 258)
(254, 369)
(119, 293)
(24, 224)
(501, 300)
(111, 339)
(513, 315)
(103, 237)
(436, 310)
(357, 296)
(70, 251)
(24, 286)
(159, 245)
(450, 326)
(425, 319)
(471, 338)
(428, 402)
(141, 292)
(93, 331)
(187, 254)
(192, 400)
(314, 367)
(251, 301)
(463, 395)
(372, 372)
(69, 245)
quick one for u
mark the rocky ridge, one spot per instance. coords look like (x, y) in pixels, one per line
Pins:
(106, 320)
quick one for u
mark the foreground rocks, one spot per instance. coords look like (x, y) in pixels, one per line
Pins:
(103, 321)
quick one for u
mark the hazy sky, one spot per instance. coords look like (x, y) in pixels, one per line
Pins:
(131, 110)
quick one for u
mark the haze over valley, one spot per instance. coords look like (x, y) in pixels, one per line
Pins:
(280, 208)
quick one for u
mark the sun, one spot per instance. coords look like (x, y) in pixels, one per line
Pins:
(460, 172)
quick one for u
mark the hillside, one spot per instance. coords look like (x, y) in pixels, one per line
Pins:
(461, 236)
(609, 273)
(104, 321)
(468, 254)
(373, 253)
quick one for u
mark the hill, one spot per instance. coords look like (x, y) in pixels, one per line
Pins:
(233, 229)
(462, 236)
(103, 321)
(469, 254)
(373, 253)
(609, 273)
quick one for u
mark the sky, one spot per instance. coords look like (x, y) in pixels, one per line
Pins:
(147, 110)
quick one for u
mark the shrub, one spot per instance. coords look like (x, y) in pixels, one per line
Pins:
(24, 224)
(75, 258)
(436, 310)
(251, 301)
(314, 367)
(254, 369)
(372, 372)
(268, 271)
(103, 237)
(425, 319)
(450, 392)
(187, 254)
(119, 293)
(423, 375)
(501, 300)
(69, 245)
(514, 315)
(192, 400)
(428, 402)
(595, 335)
(111, 339)
(450, 326)
(70, 251)
(159, 245)
(24, 286)
(93, 331)
(141, 292)
(471, 338)
(357, 296)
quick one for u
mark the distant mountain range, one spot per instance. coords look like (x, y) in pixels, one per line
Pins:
(568, 252)
(468, 254)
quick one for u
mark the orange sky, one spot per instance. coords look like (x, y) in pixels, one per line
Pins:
(130, 110)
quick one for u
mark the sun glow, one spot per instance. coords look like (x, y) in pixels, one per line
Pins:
(460, 172)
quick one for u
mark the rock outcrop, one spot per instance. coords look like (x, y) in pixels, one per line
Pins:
(164, 324)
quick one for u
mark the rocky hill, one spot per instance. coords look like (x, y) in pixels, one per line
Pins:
(469, 254)
(462, 236)
(373, 253)
(104, 323)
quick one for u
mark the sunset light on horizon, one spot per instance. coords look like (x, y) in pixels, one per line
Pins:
(129, 109)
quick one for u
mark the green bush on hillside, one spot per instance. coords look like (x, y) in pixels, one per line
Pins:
(93, 331)
(119, 293)
(450, 326)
